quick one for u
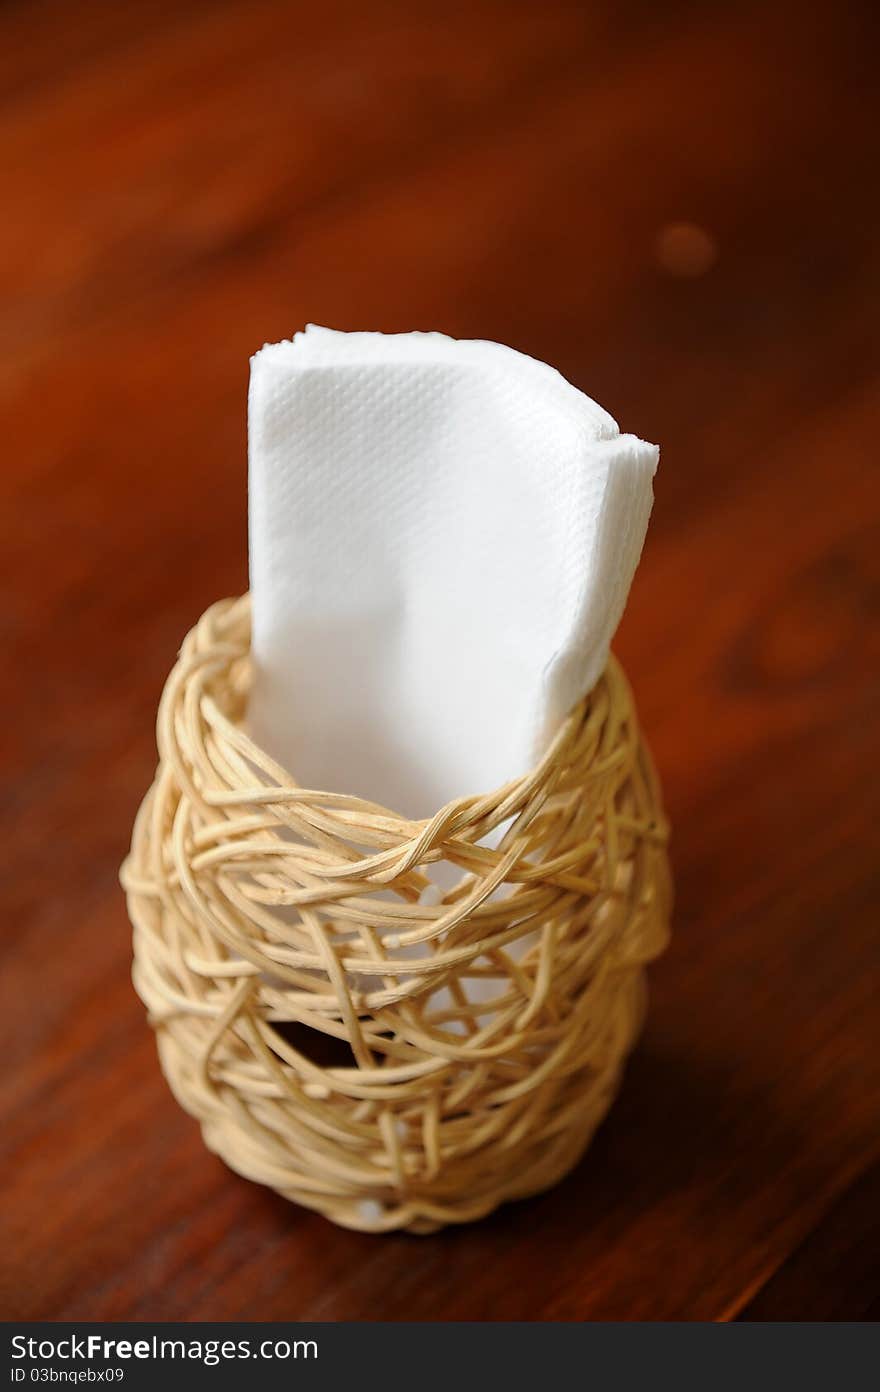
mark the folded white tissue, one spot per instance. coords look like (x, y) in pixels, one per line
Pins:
(443, 535)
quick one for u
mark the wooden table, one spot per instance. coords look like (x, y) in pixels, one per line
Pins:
(186, 180)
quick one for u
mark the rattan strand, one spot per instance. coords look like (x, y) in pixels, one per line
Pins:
(269, 919)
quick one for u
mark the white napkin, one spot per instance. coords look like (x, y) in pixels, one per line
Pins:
(442, 538)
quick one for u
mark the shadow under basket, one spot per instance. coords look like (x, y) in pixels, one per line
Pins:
(400, 1024)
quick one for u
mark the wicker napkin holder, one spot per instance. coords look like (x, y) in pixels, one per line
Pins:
(310, 991)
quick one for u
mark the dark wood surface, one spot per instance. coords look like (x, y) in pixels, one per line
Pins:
(183, 181)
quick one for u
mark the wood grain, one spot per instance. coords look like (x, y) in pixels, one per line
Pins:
(184, 182)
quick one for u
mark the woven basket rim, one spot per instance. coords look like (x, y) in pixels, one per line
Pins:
(234, 610)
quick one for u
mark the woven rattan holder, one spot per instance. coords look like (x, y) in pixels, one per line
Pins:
(367, 1044)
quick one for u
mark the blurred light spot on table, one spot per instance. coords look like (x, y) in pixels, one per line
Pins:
(686, 250)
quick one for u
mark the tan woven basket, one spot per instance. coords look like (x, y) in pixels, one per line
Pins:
(373, 1047)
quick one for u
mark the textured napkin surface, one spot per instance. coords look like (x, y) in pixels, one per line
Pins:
(442, 538)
